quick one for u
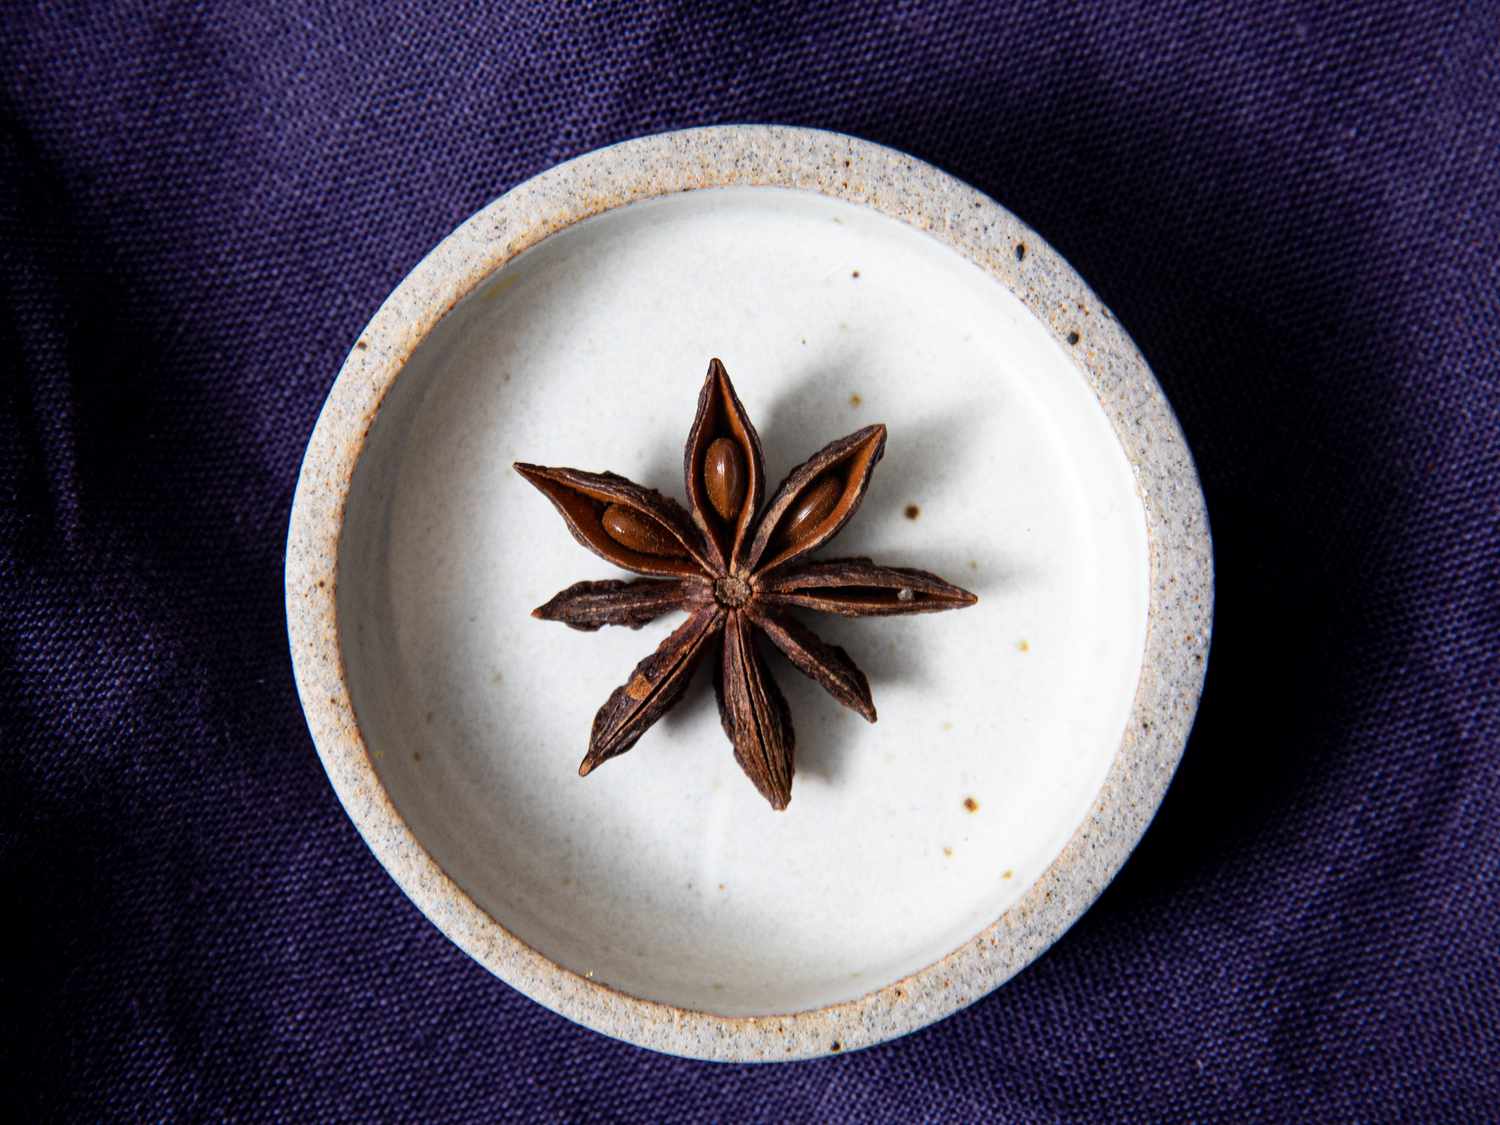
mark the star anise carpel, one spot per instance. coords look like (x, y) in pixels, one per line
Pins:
(736, 569)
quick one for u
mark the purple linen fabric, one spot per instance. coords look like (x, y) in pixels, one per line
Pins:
(1293, 208)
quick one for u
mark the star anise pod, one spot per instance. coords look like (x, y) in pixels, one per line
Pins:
(735, 569)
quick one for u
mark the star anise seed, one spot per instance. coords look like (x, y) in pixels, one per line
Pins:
(736, 569)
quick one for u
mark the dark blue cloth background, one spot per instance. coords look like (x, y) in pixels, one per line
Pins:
(1294, 211)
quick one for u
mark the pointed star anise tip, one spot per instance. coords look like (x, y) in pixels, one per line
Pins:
(777, 798)
(586, 767)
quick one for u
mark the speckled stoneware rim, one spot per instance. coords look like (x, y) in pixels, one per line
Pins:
(904, 188)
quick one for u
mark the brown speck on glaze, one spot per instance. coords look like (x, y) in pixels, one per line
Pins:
(855, 400)
(855, 275)
(899, 187)
(835, 1046)
(912, 511)
(1023, 645)
(971, 805)
(948, 851)
(1008, 873)
(1072, 338)
(361, 345)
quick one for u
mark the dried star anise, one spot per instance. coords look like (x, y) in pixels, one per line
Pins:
(734, 569)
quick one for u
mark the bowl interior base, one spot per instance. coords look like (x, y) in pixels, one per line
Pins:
(664, 874)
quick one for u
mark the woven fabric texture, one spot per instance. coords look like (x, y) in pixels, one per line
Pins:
(1292, 207)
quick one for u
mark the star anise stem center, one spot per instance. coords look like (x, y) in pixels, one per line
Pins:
(732, 591)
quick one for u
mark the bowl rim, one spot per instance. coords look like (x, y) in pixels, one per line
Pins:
(1179, 616)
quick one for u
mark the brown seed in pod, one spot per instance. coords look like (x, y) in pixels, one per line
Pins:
(631, 529)
(724, 477)
(811, 511)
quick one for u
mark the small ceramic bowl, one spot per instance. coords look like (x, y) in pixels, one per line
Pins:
(1023, 744)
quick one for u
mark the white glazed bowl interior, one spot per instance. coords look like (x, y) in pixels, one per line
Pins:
(924, 858)
(665, 874)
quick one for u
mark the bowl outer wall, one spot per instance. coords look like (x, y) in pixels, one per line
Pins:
(1180, 596)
